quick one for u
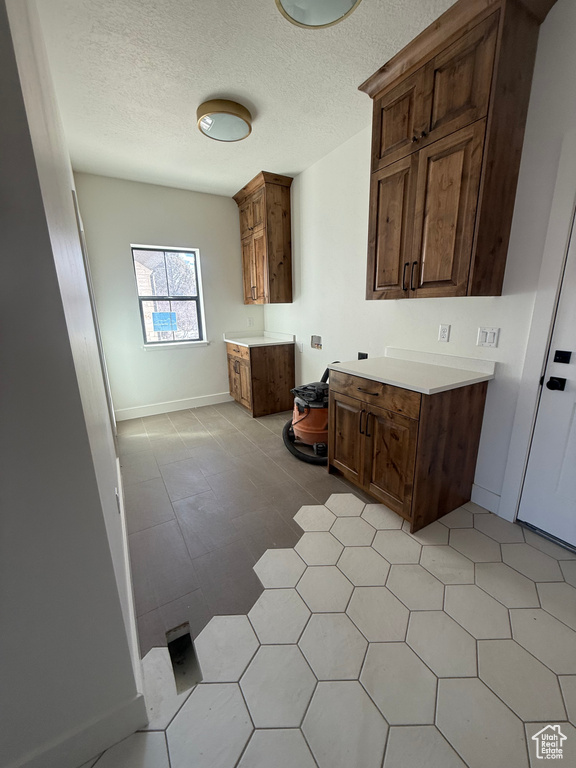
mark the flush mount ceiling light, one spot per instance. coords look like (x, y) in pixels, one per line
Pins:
(316, 14)
(224, 120)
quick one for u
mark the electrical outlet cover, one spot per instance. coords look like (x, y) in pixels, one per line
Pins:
(444, 333)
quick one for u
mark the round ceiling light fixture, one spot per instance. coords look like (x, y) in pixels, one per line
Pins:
(224, 120)
(316, 14)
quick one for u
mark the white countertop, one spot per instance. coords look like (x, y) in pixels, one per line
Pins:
(425, 377)
(261, 339)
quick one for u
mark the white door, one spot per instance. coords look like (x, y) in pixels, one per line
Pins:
(103, 366)
(549, 494)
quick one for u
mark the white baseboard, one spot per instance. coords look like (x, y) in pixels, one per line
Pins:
(171, 405)
(75, 748)
(486, 499)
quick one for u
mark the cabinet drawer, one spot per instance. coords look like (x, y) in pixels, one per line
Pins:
(235, 350)
(386, 396)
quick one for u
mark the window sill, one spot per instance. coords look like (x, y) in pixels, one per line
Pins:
(175, 345)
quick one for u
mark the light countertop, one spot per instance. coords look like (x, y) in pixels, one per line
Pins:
(262, 339)
(426, 377)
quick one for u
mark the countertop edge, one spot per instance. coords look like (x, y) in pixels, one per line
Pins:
(474, 379)
(260, 343)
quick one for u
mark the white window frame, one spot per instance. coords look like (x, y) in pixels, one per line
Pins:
(203, 342)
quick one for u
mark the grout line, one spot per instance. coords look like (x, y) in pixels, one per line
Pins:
(167, 750)
(245, 747)
(304, 736)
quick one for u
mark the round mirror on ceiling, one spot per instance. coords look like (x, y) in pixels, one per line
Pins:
(316, 14)
(224, 120)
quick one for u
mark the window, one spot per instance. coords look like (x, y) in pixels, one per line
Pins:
(168, 281)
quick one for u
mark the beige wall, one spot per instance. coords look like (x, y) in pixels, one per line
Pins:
(117, 213)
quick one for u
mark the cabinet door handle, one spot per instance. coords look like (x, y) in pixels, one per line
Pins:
(362, 412)
(367, 392)
(404, 286)
(253, 292)
(414, 139)
(423, 135)
(412, 286)
(367, 423)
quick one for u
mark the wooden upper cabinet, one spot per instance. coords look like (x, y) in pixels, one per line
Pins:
(255, 268)
(245, 213)
(259, 268)
(401, 117)
(265, 230)
(248, 270)
(445, 212)
(422, 216)
(257, 203)
(390, 233)
(252, 214)
(453, 102)
(462, 79)
(449, 92)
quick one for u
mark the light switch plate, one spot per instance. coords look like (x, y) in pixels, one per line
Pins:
(488, 337)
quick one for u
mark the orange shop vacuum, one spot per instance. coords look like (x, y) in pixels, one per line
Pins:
(306, 433)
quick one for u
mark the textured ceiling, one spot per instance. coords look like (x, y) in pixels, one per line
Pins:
(129, 75)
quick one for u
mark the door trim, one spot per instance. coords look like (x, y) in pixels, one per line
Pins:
(560, 226)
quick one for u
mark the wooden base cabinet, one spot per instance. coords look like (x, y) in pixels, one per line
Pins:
(414, 453)
(261, 377)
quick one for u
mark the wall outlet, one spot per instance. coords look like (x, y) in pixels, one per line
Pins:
(362, 355)
(444, 333)
(250, 322)
(488, 337)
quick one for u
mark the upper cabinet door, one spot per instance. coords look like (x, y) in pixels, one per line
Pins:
(401, 117)
(245, 213)
(390, 233)
(445, 213)
(260, 268)
(257, 203)
(248, 270)
(462, 79)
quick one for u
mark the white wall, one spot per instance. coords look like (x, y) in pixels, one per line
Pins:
(117, 213)
(68, 687)
(551, 128)
(330, 219)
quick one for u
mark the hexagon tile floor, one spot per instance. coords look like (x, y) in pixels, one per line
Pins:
(374, 648)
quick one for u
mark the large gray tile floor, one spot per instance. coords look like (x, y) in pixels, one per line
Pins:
(207, 492)
(370, 647)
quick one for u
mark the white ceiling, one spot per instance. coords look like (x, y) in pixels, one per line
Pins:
(129, 75)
